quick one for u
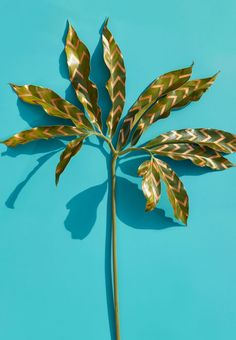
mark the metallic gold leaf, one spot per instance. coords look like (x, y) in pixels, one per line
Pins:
(116, 83)
(53, 104)
(190, 91)
(199, 155)
(158, 88)
(42, 132)
(176, 192)
(71, 150)
(151, 184)
(78, 61)
(218, 140)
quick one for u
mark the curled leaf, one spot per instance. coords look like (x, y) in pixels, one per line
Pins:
(158, 88)
(78, 61)
(71, 150)
(42, 132)
(116, 84)
(151, 184)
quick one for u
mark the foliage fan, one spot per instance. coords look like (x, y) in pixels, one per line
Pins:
(202, 146)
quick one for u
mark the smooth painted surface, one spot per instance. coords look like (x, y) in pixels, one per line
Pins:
(176, 283)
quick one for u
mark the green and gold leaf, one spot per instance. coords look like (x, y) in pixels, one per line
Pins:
(78, 61)
(176, 192)
(42, 132)
(71, 150)
(151, 184)
(218, 140)
(158, 88)
(52, 104)
(190, 91)
(116, 83)
(199, 155)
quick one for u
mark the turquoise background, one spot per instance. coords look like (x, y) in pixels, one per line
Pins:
(175, 283)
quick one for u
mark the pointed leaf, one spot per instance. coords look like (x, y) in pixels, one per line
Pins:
(42, 132)
(71, 150)
(190, 91)
(116, 83)
(218, 140)
(53, 104)
(199, 155)
(158, 88)
(78, 60)
(176, 192)
(151, 184)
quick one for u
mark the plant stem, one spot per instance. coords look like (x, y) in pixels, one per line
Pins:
(114, 245)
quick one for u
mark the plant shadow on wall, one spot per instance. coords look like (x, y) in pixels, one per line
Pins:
(170, 91)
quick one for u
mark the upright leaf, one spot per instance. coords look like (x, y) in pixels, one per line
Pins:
(218, 140)
(158, 88)
(190, 91)
(177, 194)
(78, 60)
(151, 184)
(199, 155)
(53, 104)
(71, 150)
(116, 84)
(42, 132)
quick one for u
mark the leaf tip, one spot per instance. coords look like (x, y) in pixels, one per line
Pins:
(106, 22)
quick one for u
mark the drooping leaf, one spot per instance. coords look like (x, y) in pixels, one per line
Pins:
(52, 104)
(190, 91)
(116, 83)
(71, 150)
(199, 155)
(151, 184)
(158, 88)
(42, 132)
(176, 192)
(218, 140)
(78, 61)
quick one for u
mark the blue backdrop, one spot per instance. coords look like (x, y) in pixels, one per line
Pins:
(175, 283)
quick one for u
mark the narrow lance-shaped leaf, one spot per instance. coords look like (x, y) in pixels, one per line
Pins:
(78, 61)
(52, 104)
(116, 83)
(199, 155)
(151, 184)
(71, 150)
(190, 91)
(176, 192)
(158, 88)
(42, 132)
(218, 140)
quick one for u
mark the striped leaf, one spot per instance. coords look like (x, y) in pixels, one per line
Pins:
(190, 91)
(199, 155)
(78, 61)
(53, 104)
(158, 88)
(218, 140)
(151, 184)
(176, 192)
(116, 84)
(42, 132)
(71, 150)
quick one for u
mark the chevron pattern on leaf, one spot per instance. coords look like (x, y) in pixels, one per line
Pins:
(42, 132)
(78, 61)
(190, 91)
(176, 192)
(218, 140)
(71, 150)
(52, 104)
(158, 88)
(116, 84)
(151, 184)
(199, 155)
